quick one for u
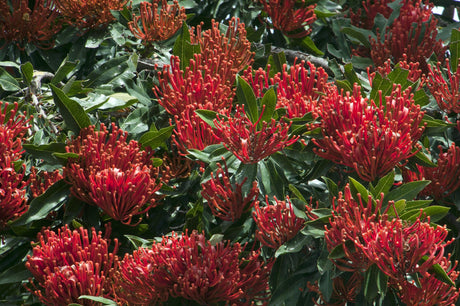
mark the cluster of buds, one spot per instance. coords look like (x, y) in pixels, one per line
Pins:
(372, 139)
(68, 264)
(191, 268)
(445, 178)
(22, 24)
(291, 17)
(446, 93)
(13, 127)
(39, 182)
(157, 24)
(252, 142)
(276, 224)
(112, 173)
(89, 14)
(226, 200)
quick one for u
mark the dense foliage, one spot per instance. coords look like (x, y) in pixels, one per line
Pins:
(229, 152)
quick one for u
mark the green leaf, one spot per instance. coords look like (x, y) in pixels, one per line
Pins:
(154, 139)
(375, 283)
(246, 97)
(7, 82)
(276, 62)
(339, 251)
(435, 212)
(209, 116)
(356, 187)
(269, 101)
(439, 272)
(64, 157)
(454, 48)
(41, 206)
(326, 284)
(350, 74)
(100, 299)
(362, 35)
(384, 185)
(183, 47)
(331, 187)
(27, 71)
(421, 98)
(399, 206)
(16, 274)
(309, 45)
(292, 246)
(399, 76)
(46, 151)
(417, 204)
(380, 84)
(407, 191)
(297, 193)
(72, 112)
(423, 160)
(139, 242)
(63, 70)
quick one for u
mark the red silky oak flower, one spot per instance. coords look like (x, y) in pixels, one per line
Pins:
(157, 24)
(415, 73)
(276, 224)
(21, 24)
(413, 33)
(196, 88)
(191, 268)
(89, 14)
(445, 178)
(365, 18)
(446, 93)
(431, 291)
(224, 53)
(350, 219)
(175, 166)
(112, 173)
(398, 247)
(39, 182)
(68, 264)
(290, 16)
(13, 199)
(249, 142)
(372, 139)
(226, 200)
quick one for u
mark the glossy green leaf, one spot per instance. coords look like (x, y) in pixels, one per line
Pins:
(375, 283)
(99, 299)
(246, 97)
(309, 45)
(406, 191)
(339, 251)
(417, 204)
(397, 208)
(15, 274)
(380, 84)
(269, 102)
(65, 68)
(297, 193)
(46, 151)
(435, 212)
(276, 62)
(154, 139)
(383, 185)
(27, 71)
(357, 188)
(350, 74)
(454, 48)
(421, 159)
(331, 187)
(439, 272)
(183, 47)
(359, 34)
(72, 112)
(7, 82)
(139, 242)
(209, 116)
(292, 246)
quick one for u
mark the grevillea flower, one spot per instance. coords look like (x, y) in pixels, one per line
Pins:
(21, 24)
(276, 224)
(191, 268)
(445, 178)
(39, 182)
(400, 249)
(298, 88)
(13, 200)
(226, 200)
(350, 219)
(415, 73)
(344, 290)
(446, 93)
(224, 54)
(290, 16)
(89, 14)
(249, 142)
(431, 291)
(198, 88)
(365, 18)
(112, 173)
(157, 24)
(192, 132)
(372, 139)
(68, 264)
(412, 33)
(175, 166)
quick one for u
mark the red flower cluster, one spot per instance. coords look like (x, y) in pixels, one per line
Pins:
(39, 182)
(225, 199)
(157, 24)
(297, 88)
(22, 24)
(412, 33)
(445, 178)
(276, 224)
(192, 268)
(446, 93)
(89, 14)
(111, 173)
(365, 19)
(290, 16)
(69, 264)
(13, 198)
(372, 139)
(250, 142)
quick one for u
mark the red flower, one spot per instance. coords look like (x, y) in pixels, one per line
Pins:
(445, 178)
(226, 200)
(20, 24)
(69, 264)
(398, 247)
(196, 88)
(413, 33)
(190, 267)
(175, 166)
(415, 73)
(13, 200)
(112, 173)
(372, 139)
(276, 224)
(290, 16)
(157, 24)
(447, 94)
(365, 19)
(249, 142)
(89, 14)
(350, 220)
(39, 182)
